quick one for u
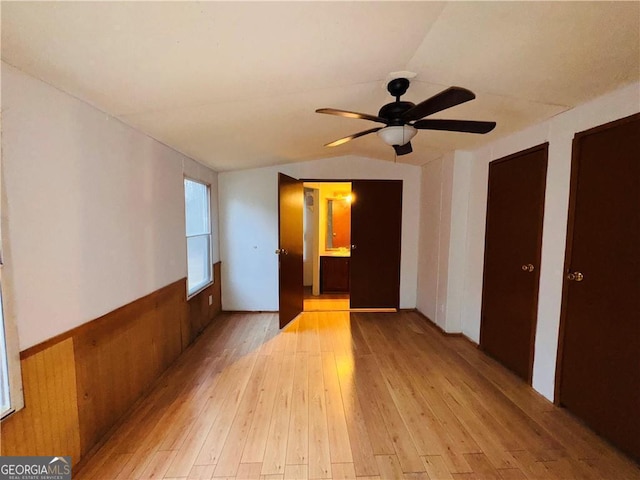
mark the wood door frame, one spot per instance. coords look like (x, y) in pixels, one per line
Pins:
(573, 194)
(321, 241)
(351, 181)
(534, 327)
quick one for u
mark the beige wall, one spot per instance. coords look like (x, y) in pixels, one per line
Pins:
(249, 225)
(94, 210)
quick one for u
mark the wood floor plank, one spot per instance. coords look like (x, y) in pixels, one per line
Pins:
(200, 426)
(257, 437)
(511, 474)
(200, 472)
(339, 443)
(271, 335)
(451, 436)
(362, 448)
(346, 395)
(158, 465)
(417, 416)
(186, 409)
(481, 466)
(416, 476)
(249, 471)
(436, 467)
(308, 337)
(298, 438)
(530, 466)
(231, 454)
(276, 447)
(110, 468)
(404, 447)
(378, 435)
(319, 450)
(290, 336)
(296, 472)
(234, 386)
(389, 466)
(343, 471)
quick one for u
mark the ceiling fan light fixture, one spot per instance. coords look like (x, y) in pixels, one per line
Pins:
(397, 134)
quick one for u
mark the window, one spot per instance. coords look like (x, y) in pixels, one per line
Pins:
(5, 399)
(198, 227)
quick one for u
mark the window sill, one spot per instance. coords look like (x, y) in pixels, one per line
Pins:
(8, 414)
(200, 290)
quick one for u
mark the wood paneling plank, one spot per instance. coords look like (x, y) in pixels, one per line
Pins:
(48, 423)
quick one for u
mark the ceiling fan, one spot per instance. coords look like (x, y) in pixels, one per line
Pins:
(404, 119)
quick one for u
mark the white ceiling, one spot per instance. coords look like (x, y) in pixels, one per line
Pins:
(235, 84)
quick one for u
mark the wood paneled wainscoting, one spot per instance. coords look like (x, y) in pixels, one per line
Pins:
(79, 384)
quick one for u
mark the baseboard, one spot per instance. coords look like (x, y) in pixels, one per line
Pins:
(441, 330)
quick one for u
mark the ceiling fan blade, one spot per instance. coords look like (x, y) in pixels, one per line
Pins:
(468, 126)
(340, 141)
(348, 114)
(403, 149)
(448, 98)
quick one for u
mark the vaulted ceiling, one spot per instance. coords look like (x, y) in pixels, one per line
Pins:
(235, 84)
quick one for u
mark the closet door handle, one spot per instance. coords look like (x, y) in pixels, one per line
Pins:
(575, 276)
(528, 267)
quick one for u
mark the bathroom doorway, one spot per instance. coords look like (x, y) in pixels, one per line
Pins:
(327, 246)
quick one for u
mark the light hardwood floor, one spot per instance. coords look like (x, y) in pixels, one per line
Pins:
(346, 395)
(326, 302)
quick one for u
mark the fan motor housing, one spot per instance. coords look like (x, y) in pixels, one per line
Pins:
(393, 111)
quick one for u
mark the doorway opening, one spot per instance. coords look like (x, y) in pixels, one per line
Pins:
(326, 245)
(371, 256)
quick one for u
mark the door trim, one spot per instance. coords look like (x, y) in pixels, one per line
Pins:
(544, 147)
(573, 193)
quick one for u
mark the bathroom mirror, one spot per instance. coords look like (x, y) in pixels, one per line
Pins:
(338, 223)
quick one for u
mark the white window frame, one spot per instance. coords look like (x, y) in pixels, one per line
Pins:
(10, 371)
(210, 280)
(5, 384)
